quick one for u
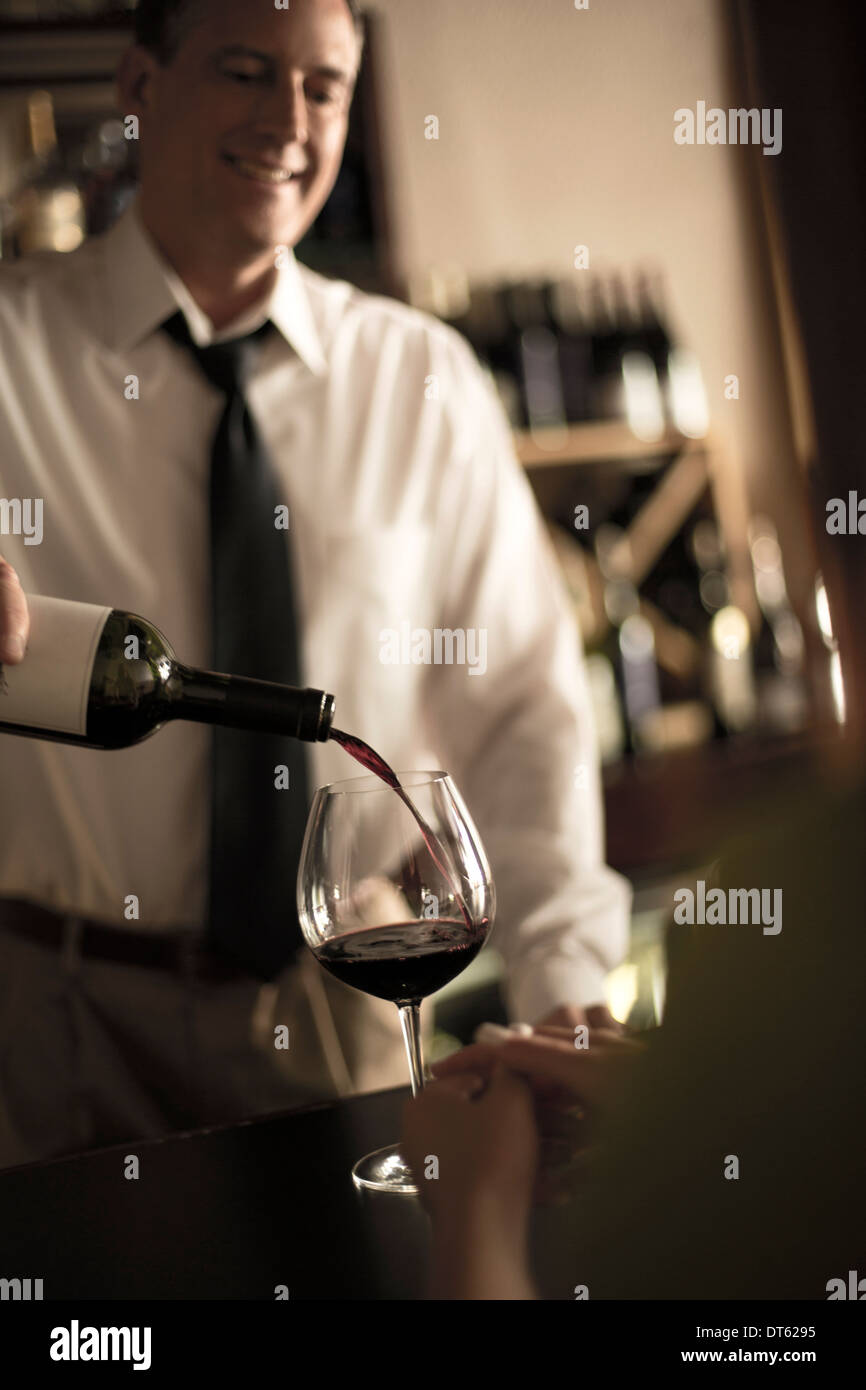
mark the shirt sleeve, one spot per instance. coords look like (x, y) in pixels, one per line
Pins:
(517, 729)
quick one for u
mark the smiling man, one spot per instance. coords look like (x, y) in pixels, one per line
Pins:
(169, 388)
(243, 115)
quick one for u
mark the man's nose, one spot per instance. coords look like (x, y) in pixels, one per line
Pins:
(286, 111)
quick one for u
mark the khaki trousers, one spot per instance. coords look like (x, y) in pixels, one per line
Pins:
(94, 1053)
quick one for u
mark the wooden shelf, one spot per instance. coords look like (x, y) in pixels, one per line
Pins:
(596, 441)
(67, 52)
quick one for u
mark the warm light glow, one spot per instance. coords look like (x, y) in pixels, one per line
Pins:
(729, 633)
(643, 398)
(688, 397)
(822, 611)
(825, 623)
(837, 686)
(622, 990)
(659, 984)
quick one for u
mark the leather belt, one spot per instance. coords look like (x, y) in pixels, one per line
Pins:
(157, 949)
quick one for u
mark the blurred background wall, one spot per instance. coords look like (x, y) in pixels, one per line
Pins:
(556, 129)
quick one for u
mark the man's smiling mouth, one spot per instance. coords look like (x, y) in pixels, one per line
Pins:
(262, 173)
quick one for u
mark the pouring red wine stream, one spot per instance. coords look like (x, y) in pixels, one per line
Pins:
(369, 758)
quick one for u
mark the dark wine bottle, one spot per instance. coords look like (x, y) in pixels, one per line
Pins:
(487, 329)
(574, 341)
(103, 678)
(630, 644)
(607, 338)
(536, 353)
(779, 650)
(655, 338)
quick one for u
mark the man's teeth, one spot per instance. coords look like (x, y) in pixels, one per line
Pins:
(260, 171)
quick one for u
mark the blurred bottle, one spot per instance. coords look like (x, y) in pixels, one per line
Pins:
(535, 353)
(630, 645)
(729, 674)
(779, 646)
(651, 326)
(708, 550)
(641, 393)
(106, 176)
(566, 319)
(679, 374)
(489, 331)
(47, 207)
(606, 339)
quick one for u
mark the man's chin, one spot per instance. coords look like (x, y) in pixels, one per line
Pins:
(261, 235)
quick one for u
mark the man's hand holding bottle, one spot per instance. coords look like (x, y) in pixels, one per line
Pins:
(14, 616)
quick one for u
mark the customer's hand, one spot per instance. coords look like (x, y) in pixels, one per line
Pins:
(593, 1015)
(474, 1161)
(14, 616)
(463, 1149)
(549, 1060)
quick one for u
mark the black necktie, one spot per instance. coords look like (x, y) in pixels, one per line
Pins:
(257, 827)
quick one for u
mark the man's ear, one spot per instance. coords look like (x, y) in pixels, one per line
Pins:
(135, 74)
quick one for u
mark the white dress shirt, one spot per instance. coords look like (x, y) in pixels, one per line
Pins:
(407, 506)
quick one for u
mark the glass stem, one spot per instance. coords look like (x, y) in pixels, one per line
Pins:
(410, 1022)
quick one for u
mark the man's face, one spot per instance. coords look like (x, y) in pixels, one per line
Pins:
(243, 131)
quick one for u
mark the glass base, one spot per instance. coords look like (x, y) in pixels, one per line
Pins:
(384, 1171)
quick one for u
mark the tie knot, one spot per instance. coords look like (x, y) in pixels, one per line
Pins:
(226, 365)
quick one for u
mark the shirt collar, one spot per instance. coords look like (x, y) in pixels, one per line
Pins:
(144, 291)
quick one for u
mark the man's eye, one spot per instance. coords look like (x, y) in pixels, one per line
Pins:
(325, 98)
(243, 74)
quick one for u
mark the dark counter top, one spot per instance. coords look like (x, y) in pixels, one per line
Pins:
(221, 1213)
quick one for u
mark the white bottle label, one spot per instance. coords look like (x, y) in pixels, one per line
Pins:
(49, 689)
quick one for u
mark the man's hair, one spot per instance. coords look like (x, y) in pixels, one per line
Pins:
(162, 25)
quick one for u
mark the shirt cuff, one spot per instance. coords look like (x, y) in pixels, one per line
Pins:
(556, 980)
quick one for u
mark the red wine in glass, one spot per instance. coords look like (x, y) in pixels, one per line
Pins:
(359, 883)
(404, 961)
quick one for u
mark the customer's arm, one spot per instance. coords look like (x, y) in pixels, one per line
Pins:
(477, 1121)
(475, 1163)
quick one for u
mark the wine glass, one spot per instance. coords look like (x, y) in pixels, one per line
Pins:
(395, 898)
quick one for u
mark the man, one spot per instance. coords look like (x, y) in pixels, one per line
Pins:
(406, 506)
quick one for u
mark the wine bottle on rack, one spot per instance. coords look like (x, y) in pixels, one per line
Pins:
(651, 327)
(640, 393)
(488, 331)
(606, 354)
(630, 643)
(567, 322)
(103, 678)
(537, 355)
(48, 208)
(779, 648)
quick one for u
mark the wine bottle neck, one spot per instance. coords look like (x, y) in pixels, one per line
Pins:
(238, 702)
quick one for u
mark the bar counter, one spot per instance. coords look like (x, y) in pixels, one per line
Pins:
(228, 1212)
